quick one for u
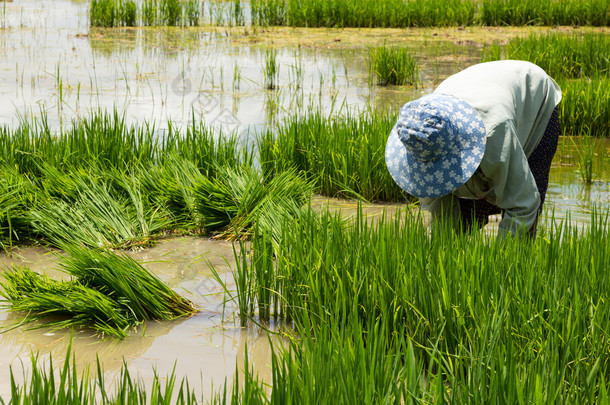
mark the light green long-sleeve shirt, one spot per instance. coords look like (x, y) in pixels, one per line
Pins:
(515, 100)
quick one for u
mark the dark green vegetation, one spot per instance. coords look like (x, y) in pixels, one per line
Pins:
(487, 322)
(48, 385)
(103, 184)
(581, 66)
(428, 13)
(393, 65)
(561, 56)
(107, 292)
(132, 13)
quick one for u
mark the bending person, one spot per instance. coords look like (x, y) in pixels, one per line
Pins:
(481, 144)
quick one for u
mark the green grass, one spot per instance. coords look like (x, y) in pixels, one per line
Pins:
(544, 12)
(428, 13)
(343, 155)
(49, 384)
(561, 56)
(488, 322)
(107, 292)
(393, 66)
(132, 13)
(584, 107)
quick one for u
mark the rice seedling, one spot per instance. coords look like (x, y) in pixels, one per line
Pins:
(97, 217)
(544, 12)
(108, 293)
(271, 69)
(471, 306)
(48, 384)
(584, 107)
(343, 156)
(560, 55)
(238, 198)
(267, 12)
(393, 66)
(118, 13)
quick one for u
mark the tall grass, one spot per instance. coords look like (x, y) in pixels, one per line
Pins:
(507, 322)
(344, 156)
(393, 66)
(560, 55)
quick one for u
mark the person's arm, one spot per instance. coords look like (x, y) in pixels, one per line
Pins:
(514, 186)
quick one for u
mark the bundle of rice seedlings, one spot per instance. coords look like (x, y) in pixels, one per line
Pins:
(239, 197)
(16, 194)
(171, 186)
(95, 214)
(107, 292)
(126, 281)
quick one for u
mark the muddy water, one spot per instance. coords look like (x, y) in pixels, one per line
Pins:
(51, 61)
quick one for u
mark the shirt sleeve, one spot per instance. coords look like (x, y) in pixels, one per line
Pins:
(515, 190)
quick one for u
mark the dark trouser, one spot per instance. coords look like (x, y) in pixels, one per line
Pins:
(540, 165)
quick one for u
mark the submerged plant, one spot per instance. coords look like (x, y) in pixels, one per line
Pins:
(107, 292)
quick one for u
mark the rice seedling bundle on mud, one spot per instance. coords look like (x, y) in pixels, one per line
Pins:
(108, 292)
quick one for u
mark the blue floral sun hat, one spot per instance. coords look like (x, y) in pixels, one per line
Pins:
(435, 146)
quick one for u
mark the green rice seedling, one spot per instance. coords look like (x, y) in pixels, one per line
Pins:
(238, 198)
(66, 304)
(192, 12)
(17, 194)
(237, 12)
(127, 282)
(171, 12)
(103, 13)
(471, 305)
(339, 364)
(128, 13)
(49, 384)
(393, 66)
(560, 55)
(544, 12)
(108, 292)
(267, 12)
(97, 217)
(150, 13)
(172, 186)
(584, 107)
(271, 69)
(344, 155)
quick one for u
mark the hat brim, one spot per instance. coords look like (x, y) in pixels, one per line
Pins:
(443, 176)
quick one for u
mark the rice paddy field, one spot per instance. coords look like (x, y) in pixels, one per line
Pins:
(195, 208)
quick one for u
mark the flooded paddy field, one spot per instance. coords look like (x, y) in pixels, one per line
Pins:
(53, 65)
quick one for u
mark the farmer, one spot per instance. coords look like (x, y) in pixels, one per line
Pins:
(480, 144)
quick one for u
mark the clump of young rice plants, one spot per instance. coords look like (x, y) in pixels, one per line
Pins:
(119, 13)
(48, 385)
(96, 214)
(17, 194)
(393, 66)
(238, 198)
(584, 107)
(271, 69)
(544, 12)
(471, 305)
(363, 13)
(343, 156)
(560, 55)
(107, 292)
(339, 364)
